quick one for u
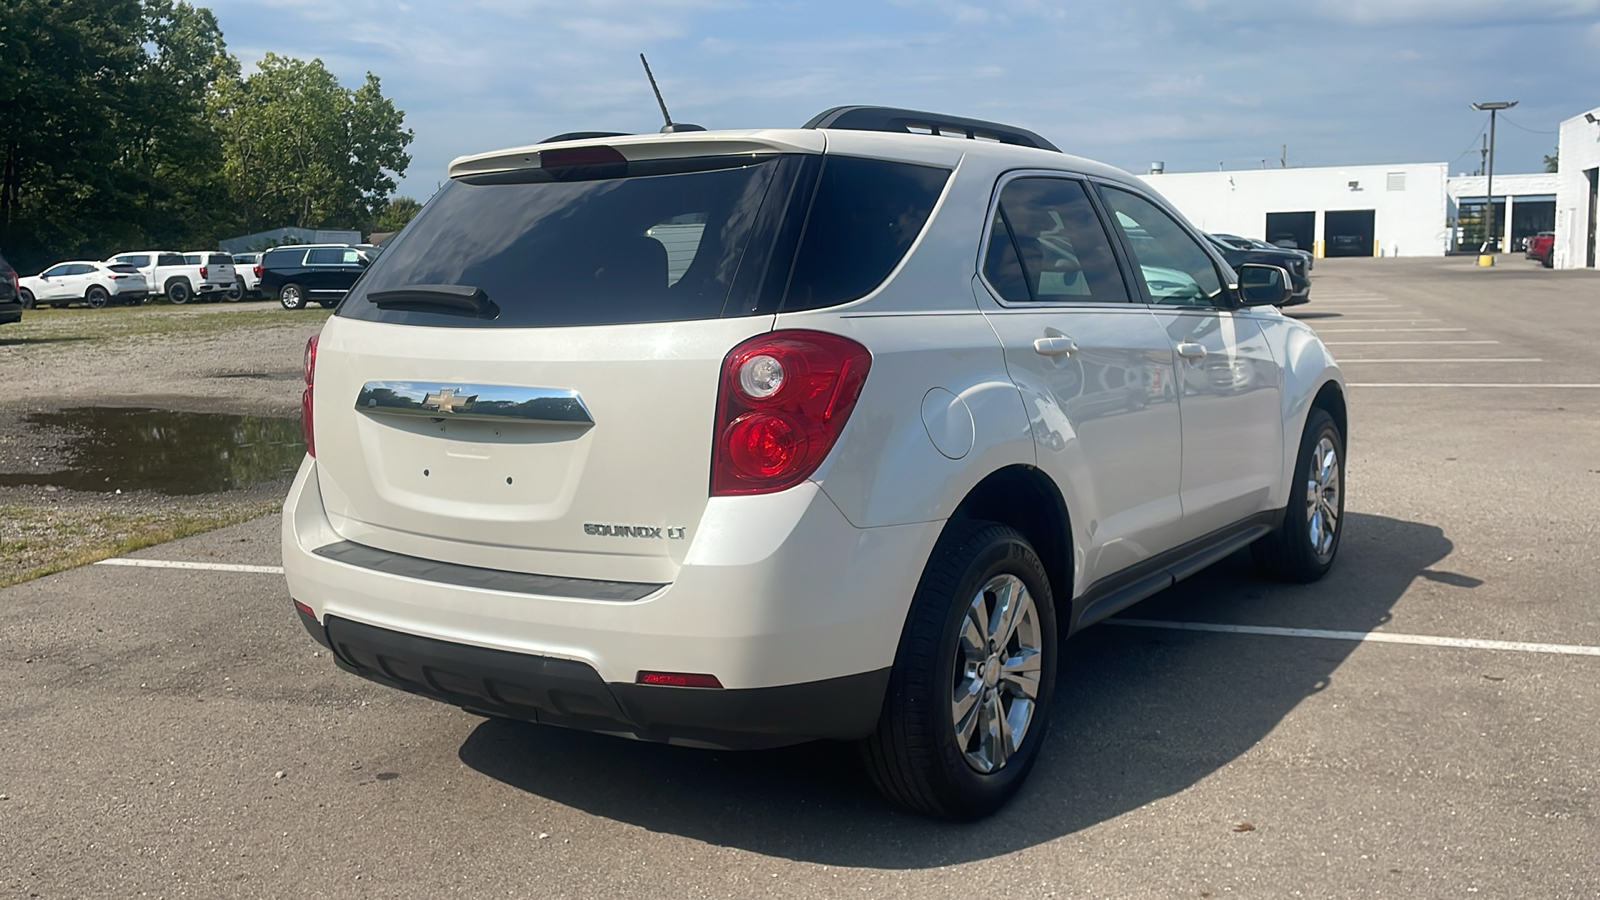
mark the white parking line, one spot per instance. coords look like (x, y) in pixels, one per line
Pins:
(1343, 320)
(1353, 330)
(1364, 637)
(1418, 359)
(203, 566)
(1354, 343)
(1470, 384)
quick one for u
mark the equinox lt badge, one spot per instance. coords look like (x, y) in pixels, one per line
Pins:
(637, 531)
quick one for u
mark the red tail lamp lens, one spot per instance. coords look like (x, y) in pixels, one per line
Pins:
(307, 427)
(679, 679)
(784, 399)
(304, 609)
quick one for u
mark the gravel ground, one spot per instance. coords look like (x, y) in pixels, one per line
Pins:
(227, 358)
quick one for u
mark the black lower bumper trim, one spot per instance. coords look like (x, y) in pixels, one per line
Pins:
(572, 694)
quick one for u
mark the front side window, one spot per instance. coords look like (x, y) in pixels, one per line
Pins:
(55, 272)
(1175, 269)
(1047, 245)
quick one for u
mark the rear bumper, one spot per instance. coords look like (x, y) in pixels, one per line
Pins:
(795, 611)
(10, 314)
(572, 694)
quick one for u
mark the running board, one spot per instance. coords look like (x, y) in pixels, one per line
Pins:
(1116, 593)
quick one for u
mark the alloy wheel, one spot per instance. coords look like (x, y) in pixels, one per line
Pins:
(998, 660)
(1322, 498)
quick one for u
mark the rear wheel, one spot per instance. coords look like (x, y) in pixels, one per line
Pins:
(178, 291)
(1303, 547)
(236, 293)
(27, 299)
(969, 696)
(291, 297)
(96, 297)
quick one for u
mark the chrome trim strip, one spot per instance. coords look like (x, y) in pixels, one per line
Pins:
(484, 402)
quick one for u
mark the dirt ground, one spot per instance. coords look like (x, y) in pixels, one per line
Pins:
(226, 358)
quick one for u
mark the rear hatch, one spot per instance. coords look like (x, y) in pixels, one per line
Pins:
(218, 269)
(526, 378)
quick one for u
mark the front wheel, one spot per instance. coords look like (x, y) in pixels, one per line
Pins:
(291, 297)
(969, 695)
(1303, 547)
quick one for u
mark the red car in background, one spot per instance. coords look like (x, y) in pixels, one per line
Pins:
(1542, 247)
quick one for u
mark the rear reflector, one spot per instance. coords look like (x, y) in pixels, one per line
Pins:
(679, 679)
(304, 609)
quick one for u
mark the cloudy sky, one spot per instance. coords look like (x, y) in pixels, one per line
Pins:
(1195, 83)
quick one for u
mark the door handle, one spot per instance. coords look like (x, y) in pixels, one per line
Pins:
(1054, 346)
(1190, 350)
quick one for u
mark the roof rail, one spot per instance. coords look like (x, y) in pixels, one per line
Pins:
(911, 121)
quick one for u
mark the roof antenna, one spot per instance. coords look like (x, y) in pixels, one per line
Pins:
(671, 127)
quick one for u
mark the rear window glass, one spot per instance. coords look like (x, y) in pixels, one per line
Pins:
(646, 248)
(866, 214)
(123, 269)
(219, 259)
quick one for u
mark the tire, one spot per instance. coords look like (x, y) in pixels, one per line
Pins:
(96, 297)
(178, 291)
(292, 297)
(327, 304)
(1549, 260)
(236, 293)
(1291, 553)
(27, 299)
(916, 757)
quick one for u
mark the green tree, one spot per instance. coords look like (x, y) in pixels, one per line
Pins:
(298, 148)
(396, 214)
(1552, 161)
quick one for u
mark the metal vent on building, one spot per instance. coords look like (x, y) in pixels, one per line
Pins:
(1397, 181)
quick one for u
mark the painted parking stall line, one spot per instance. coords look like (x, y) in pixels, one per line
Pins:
(196, 566)
(1469, 384)
(1364, 637)
(1457, 359)
(1413, 343)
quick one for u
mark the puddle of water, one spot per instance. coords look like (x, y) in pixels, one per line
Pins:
(172, 453)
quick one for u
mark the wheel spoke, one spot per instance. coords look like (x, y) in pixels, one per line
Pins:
(973, 643)
(1020, 674)
(968, 719)
(1005, 608)
(1000, 731)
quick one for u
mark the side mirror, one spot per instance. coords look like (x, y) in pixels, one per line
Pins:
(1263, 285)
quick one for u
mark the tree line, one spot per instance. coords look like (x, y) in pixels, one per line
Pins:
(127, 124)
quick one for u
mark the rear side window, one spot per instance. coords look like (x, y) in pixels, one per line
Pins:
(611, 250)
(1047, 245)
(325, 256)
(866, 214)
(170, 259)
(283, 259)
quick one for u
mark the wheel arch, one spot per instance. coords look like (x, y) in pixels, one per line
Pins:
(1024, 498)
(1330, 399)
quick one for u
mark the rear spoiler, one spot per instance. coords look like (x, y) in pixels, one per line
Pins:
(648, 146)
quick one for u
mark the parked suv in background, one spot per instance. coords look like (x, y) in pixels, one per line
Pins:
(10, 294)
(1236, 251)
(739, 439)
(94, 284)
(310, 273)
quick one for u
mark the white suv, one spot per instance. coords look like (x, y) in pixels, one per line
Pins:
(744, 438)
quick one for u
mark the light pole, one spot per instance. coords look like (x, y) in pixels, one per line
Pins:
(1491, 238)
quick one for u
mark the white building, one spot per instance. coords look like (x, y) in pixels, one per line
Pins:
(1577, 190)
(1390, 210)
(1524, 205)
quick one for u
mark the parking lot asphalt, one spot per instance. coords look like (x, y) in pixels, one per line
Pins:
(174, 732)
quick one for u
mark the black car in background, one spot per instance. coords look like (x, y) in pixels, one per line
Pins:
(10, 295)
(310, 273)
(1292, 260)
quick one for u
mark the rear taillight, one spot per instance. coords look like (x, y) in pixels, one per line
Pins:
(783, 400)
(306, 425)
(257, 270)
(204, 273)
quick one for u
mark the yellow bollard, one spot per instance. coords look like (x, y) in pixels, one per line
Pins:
(1486, 260)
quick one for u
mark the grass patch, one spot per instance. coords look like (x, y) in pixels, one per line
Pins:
(40, 540)
(46, 326)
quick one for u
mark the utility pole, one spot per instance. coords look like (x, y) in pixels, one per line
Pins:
(1283, 158)
(1491, 238)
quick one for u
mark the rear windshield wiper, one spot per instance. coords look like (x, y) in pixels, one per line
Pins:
(451, 299)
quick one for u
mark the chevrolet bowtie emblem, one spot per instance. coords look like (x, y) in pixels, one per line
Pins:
(448, 401)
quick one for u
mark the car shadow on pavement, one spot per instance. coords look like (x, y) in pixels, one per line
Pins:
(1141, 714)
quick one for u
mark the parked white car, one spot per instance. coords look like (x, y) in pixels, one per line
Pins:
(738, 439)
(179, 278)
(94, 284)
